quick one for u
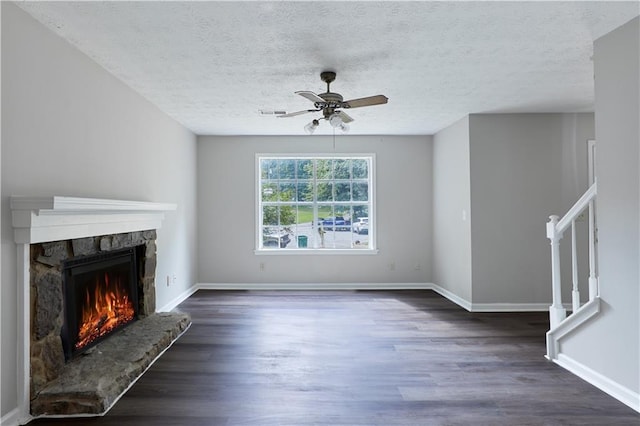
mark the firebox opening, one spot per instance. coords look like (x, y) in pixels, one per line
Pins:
(100, 297)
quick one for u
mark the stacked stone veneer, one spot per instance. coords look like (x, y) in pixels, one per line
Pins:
(47, 355)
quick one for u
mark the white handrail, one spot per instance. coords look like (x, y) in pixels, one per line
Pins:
(577, 208)
(555, 230)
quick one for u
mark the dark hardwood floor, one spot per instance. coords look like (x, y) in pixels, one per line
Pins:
(356, 358)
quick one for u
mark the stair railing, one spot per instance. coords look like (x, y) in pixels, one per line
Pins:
(555, 229)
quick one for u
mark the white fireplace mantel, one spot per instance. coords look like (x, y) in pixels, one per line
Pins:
(41, 219)
(57, 218)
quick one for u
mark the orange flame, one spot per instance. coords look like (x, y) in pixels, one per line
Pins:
(109, 308)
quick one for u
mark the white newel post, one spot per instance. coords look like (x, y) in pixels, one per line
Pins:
(557, 313)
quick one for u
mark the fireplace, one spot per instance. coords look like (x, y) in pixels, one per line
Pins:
(100, 297)
(52, 233)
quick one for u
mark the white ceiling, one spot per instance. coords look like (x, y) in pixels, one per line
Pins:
(213, 65)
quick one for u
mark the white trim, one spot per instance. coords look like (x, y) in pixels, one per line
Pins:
(23, 344)
(591, 161)
(11, 418)
(573, 321)
(509, 307)
(314, 252)
(463, 303)
(614, 389)
(313, 286)
(41, 219)
(178, 299)
(58, 203)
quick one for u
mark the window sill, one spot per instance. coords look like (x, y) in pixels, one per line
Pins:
(314, 252)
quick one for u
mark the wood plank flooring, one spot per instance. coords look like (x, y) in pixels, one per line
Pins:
(356, 358)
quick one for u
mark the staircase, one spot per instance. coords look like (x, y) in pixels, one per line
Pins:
(560, 323)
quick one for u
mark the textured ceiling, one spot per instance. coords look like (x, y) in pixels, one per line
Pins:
(213, 65)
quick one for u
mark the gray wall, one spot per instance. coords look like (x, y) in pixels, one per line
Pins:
(509, 172)
(610, 344)
(515, 170)
(71, 128)
(452, 210)
(226, 211)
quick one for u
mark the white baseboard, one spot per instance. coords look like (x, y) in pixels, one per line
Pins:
(178, 299)
(614, 389)
(12, 418)
(313, 286)
(465, 304)
(509, 307)
(489, 307)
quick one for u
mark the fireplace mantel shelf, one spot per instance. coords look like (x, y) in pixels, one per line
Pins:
(42, 219)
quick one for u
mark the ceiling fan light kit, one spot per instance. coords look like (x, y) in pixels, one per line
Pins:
(331, 105)
(311, 127)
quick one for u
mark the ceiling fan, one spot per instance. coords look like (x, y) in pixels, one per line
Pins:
(332, 104)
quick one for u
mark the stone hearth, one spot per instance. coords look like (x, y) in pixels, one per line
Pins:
(93, 382)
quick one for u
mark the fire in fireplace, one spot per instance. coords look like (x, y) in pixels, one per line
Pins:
(100, 297)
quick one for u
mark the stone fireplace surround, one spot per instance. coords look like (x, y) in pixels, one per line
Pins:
(49, 230)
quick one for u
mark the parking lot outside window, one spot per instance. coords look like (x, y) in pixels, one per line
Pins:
(315, 203)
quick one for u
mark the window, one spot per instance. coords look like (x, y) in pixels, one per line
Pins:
(315, 203)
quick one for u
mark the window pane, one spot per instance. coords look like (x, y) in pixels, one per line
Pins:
(305, 192)
(360, 169)
(270, 215)
(324, 211)
(287, 192)
(360, 191)
(343, 192)
(342, 211)
(286, 169)
(341, 169)
(305, 169)
(287, 215)
(305, 215)
(360, 211)
(325, 191)
(269, 192)
(324, 169)
(275, 237)
(268, 169)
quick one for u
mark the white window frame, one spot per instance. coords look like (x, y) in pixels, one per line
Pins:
(372, 247)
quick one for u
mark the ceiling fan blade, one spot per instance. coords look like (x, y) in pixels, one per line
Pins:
(271, 112)
(310, 95)
(362, 102)
(344, 116)
(293, 114)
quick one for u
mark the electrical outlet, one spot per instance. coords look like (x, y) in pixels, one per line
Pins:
(175, 279)
(417, 266)
(261, 266)
(392, 266)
